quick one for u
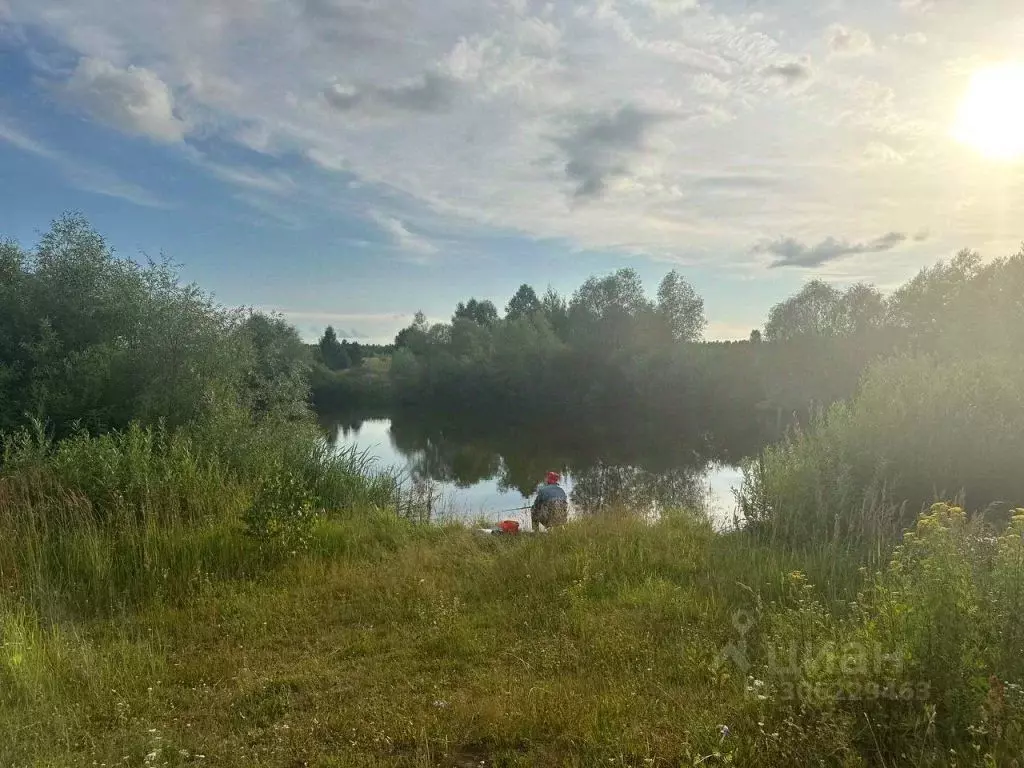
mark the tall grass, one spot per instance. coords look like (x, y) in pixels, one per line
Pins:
(93, 525)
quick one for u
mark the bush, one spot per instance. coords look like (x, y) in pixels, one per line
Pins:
(918, 430)
(929, 654)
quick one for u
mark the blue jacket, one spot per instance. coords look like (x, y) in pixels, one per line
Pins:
(548, 493)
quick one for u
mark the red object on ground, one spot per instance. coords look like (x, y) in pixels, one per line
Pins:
(509, 526)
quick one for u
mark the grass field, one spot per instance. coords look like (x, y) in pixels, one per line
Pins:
(389, 644)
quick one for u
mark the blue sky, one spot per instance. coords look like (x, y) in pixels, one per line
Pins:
(348, 162)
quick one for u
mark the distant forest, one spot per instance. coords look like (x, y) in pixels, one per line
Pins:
(621, 361)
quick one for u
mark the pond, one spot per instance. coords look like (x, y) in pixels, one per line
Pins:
(485, 473)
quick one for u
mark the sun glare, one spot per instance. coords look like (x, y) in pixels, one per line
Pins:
(991, 118)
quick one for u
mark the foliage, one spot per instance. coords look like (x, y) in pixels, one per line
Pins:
(818, 309)
(91, 340)
(478, 312)
(919, 429)
(332, 353)
(926, 667)
(523, 304)
(282, 512)
(681, 308)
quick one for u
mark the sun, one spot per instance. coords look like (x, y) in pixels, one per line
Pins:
(991, 117)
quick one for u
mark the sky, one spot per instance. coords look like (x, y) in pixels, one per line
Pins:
(349, 162)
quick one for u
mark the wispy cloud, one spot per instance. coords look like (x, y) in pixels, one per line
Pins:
(85, 176)
(275, 182)
(430, 92)
(416, 248)
(26, 143)
(793, 253)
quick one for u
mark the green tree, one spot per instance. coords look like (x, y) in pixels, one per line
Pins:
(277, 380)
(523, 304)
(615, 296)
(332, 353)
(862, 308)
(414, 337)
(681, 308)
(479, 312)
(814, 311)
(556, 310)
(92, 339)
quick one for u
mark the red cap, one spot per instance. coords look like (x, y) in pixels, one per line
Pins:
(554, 478)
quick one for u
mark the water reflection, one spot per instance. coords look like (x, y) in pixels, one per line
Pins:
(490, 468)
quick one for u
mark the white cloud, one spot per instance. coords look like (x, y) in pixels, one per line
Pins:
(917, 6)
(416, 248)
(488, 115)
(845, 41)
(133, 100)
(25, 143)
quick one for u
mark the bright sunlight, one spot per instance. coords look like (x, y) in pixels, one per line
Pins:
(991, 118)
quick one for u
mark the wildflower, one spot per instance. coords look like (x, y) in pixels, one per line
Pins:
(724, 731)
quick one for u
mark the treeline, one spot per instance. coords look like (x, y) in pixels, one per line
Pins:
(611, 354)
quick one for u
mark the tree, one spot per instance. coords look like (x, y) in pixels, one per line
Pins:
(480, 312)
(355, 352)
(332, 353)
(278, 377)
(556, 310)
(92, 339)
(862, 308)
(755, 336)
(523, 304)
(414, 337)
(620, 294)
(681, 308)
(814, 311)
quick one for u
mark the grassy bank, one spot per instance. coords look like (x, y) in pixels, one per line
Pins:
(383, 643)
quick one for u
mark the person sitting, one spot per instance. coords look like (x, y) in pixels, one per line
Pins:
(551, 507)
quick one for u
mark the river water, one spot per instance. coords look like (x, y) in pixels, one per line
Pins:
(485, 474)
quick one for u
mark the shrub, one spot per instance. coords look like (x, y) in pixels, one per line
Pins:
(929, 654)
(918, 430)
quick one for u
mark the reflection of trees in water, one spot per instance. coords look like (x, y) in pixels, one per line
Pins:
(606, 469)
(604, 487)
(643, 469)
(337, 425)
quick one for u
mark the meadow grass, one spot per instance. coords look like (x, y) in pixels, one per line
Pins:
(164, 603)
(610, 642)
